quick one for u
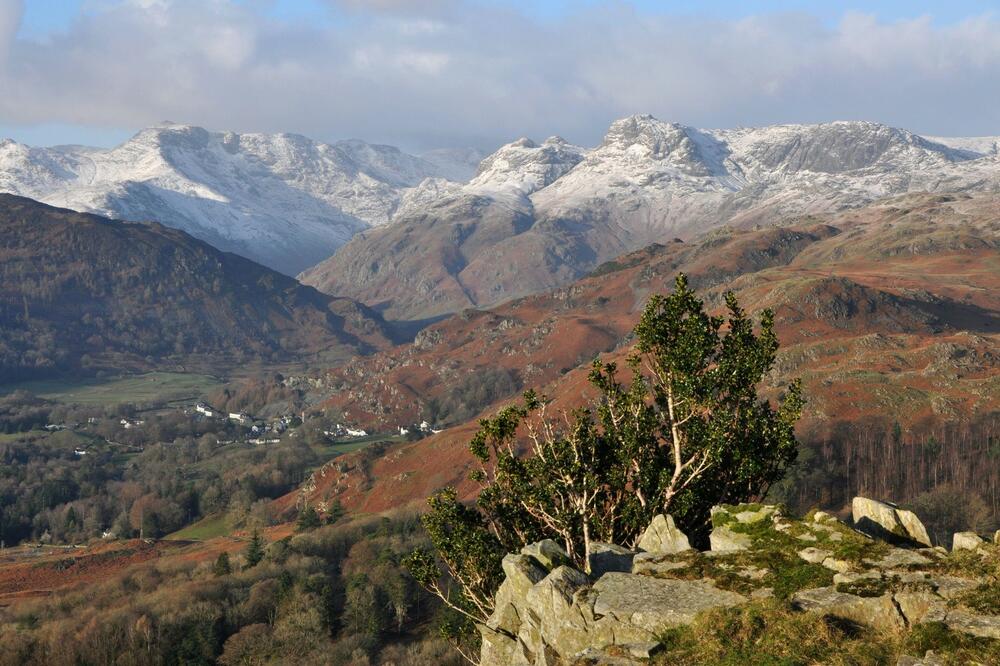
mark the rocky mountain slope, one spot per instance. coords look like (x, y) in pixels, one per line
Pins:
(283, 200)
(80, 292)
(538, 216)
(890, 309)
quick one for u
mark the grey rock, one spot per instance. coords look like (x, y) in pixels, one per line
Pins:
(653, 564)
(548, 553)
(605, 557)
(646, 650)
(724, 539)
(501, 649)
(559, 620)
(833, 564)
(915, 606)
(966, 541)
(662, 536)
(522, 571)
(951, 587)
(656, 604)
(878, 612)
(887, 522)
(900, 557)
(929, 659)
(984, 626)
(814, 555)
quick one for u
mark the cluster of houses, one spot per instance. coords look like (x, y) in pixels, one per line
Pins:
(261, 432)
(345, 431)
(424, 427)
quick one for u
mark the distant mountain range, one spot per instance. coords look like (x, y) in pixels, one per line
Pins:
(537, 216)
(282, 200)
(80, 293)
(421, 236)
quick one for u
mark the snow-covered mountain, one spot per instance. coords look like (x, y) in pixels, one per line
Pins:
(433, 234)
(283, 200)
(536, 216)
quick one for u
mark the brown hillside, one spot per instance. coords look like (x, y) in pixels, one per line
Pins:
(891, 309)
(80, 292)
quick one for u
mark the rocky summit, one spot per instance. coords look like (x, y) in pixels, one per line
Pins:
(876, 573)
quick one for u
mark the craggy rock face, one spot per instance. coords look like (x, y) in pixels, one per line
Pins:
(547, 610)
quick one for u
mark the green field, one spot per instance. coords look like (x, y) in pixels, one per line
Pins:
(340, 447)
(206, 528)
(150, 387)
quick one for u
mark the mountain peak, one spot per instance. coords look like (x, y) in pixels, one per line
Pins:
(525, 166)
(643, 130)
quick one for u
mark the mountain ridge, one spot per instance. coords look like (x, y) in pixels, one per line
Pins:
(281, 199)
(648, 181)
(80, 293)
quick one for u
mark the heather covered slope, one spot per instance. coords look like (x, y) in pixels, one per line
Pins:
(80, 292)
(539, 216)
(890, 311)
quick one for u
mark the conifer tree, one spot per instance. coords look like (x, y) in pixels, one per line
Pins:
(255, 550)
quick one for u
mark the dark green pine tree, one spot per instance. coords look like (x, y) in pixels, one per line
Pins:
(308, 520)
(222, 567)
(255, 550)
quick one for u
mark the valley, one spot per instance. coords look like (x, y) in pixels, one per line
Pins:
(165, 404)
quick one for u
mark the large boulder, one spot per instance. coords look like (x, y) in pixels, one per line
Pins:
(553, 615)
(548, 553)
(966, 541)
(724, 539)
(655, 604)
(879, 612)
(662, 536)
(888, 522)
(605, 557)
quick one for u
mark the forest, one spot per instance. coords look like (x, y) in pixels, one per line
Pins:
(334, 594)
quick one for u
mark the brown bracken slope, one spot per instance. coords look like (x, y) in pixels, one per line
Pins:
(889, 309)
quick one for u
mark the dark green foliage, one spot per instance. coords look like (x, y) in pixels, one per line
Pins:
(308, 520)
(687, 432)
(222, 567)
(255, 550)
(335, 513)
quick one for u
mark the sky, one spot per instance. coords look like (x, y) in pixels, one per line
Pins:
(423, 74)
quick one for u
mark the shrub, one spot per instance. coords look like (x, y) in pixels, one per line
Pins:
(689, 431)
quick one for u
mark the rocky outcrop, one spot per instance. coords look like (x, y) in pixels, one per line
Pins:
(887, 521)
(662, 536)
(549, 612)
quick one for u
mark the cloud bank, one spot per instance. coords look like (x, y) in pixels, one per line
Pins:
(463, 73)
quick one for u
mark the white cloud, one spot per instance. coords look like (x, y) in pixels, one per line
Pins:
(468, 73)
(11, 12)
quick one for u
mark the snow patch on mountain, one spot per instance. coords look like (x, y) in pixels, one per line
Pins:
(284, 200)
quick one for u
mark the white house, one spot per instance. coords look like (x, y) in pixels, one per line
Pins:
(239, 417)
(404, 431)
(357, 433)
(202, 408)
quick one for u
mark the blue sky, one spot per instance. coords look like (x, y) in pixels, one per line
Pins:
(426, 73)
(44, 16)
